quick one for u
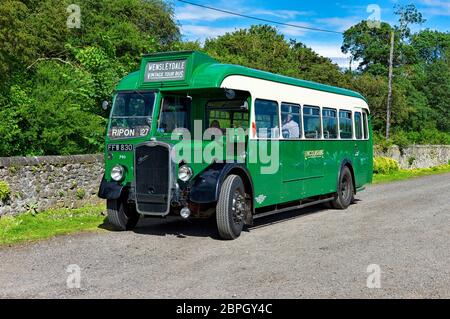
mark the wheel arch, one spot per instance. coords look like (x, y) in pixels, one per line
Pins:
(244, 174)
(207, 185)
(348, 163)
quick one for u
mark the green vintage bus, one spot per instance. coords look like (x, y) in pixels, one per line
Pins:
(192, 137)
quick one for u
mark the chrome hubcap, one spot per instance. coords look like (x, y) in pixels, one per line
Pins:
(238, 207)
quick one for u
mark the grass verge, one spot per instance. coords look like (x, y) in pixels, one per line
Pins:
(410, 173)
(30, 227)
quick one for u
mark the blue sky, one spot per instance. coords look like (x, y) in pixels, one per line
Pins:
(199, 23)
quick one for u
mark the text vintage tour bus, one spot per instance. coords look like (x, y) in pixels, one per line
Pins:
(193, 137)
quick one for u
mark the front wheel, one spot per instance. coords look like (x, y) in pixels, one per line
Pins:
(231, 208)
(345, 193)
(122, 215)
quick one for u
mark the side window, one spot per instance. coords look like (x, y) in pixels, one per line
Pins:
(219, 119)
(240, 119)
(311, 122)
(223, 114)
(329, 117)
(365, 125)
(266, 116)
(345, 124)
(358, 126)
(174, 114)
(290, 118)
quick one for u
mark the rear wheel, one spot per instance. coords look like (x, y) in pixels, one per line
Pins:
(345, 192)
(231, 208)
(121, 215)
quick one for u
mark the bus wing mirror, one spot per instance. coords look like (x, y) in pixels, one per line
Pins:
(105, 105)
(245, 106)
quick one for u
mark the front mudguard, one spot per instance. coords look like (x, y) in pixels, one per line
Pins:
(109, 190)
(206, 187)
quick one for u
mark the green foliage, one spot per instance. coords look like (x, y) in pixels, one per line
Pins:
(408, 15)
(410, 173)
(80, 193)
(385, 165)
(380, 141)
(53, 79)
(370, 45)
(421, 87)
(5, 192)
(32, 208)
(400, 139)
(425, 136)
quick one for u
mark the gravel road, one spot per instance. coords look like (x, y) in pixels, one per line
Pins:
(402, 227)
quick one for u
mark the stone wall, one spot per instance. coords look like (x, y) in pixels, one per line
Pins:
(417, 156)
(38, 183)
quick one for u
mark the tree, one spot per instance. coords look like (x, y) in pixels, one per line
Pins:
(369, 45)
(383, 48)
(429, 46)
(408, 15)
(53, 79)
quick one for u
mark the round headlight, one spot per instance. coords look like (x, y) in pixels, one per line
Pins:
(117, 173)
(185, 173)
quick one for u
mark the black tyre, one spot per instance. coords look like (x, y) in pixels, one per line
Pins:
(122, 215)
(345, 193)
(231, 208)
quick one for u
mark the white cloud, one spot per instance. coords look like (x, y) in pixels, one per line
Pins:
(333, 52)
(338, 23)
(202, 32)
(437, 7)
(283, 14)
(193, 13)
(327, 50)
(437, 3)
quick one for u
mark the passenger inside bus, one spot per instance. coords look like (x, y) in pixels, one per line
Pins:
(290, 128)
(215, 124)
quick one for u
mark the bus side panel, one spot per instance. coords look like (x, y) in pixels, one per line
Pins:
(314, 176)
(292, 161)
(265, 172)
